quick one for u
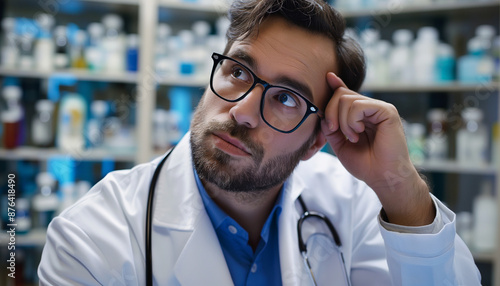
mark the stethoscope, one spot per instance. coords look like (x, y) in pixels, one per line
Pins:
(302, 245)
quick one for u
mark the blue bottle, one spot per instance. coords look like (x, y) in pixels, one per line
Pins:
(477, 66)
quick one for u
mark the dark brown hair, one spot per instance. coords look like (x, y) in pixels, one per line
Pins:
(316, 16)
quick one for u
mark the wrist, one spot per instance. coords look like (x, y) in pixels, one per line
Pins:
(409, 204)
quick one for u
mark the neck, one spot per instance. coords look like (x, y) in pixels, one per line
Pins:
(250, 209)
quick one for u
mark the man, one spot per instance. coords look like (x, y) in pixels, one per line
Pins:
(229, 196)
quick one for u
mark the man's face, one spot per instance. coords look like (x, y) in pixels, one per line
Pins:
(232, 146)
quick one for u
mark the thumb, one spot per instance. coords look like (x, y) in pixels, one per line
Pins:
(334, 81)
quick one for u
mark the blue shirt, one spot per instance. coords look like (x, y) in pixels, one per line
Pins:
(247, 267)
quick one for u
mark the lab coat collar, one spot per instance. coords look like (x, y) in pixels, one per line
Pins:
(178, 206)
(178, 202)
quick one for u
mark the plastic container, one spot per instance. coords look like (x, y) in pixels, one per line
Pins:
(472, 138)
(44, 48)
(61, 57)
(45, 202)
(485, 219)
(437, 139)
(72, 116)
(42, 129)
(9, 50)
(12, 118)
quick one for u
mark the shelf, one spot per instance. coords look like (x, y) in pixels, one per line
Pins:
(392, 9)
(437, 87)
(128, 77)
(114, 2)
(194, 6)
(35, 154)
(451, 166)
(35, 237)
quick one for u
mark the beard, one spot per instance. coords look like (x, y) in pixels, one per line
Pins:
(223, 170)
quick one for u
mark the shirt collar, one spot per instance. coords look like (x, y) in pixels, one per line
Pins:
(217, 215)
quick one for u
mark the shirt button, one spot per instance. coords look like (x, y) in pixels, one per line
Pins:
(254, 268)
(232, 229)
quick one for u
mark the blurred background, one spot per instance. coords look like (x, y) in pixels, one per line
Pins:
(91, 86)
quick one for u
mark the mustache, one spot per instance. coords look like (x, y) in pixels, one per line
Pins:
(237, 131)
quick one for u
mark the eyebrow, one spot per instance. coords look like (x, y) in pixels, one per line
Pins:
(286, 81)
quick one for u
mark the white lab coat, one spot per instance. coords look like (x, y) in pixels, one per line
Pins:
(100, 239)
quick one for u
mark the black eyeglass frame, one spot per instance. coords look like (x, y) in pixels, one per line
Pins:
(311, 108)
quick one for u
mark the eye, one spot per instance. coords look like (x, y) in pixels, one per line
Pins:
(241, 73)
(286, 99)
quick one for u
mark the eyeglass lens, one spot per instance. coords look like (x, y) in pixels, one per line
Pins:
(281, 107)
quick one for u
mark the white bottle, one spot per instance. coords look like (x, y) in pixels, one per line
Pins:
(400, 63)
(61, 56)
(163, 53)
(425, 55)
(114, 44)
(95, 126)
(44, 48)
(416, 142)
(26, 59)
(42, 130)
(72, 116)
(94, 52)
(45, 202)
(472, 138)
(9, 50)
(201, 51)
(437, 139)
(23, 216)
(384, 49)
(369, 40)
(485, 219)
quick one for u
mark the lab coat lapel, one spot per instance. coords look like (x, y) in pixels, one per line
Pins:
(187, 245)
(292, 267)
(202, 261)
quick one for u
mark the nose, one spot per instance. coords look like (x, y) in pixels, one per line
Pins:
(247, 111)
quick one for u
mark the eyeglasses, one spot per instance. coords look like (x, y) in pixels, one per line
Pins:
(282, 108)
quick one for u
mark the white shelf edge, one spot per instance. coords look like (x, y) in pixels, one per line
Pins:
(125, 77)
(34, 153)
(451, 166)
(407, 9)
(215, 7)
(437, 87)
(35, 237)
(118, 2)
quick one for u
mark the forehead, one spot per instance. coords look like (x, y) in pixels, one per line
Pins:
(283, 50)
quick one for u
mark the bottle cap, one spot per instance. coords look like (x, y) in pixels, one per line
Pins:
(8, 24)
(485, 31)
(99, 108)
(201, 28)
(402, 36)
(437, 114)
(95, 30)
(472, 113)
(44, 105)
(163, 31)
(45, 179)
(133, 40)
(112, 21)
(12, 93)
(428, 34)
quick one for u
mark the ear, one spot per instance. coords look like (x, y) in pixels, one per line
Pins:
(319, 142)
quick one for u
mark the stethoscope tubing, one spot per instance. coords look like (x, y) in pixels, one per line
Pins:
(302, 246)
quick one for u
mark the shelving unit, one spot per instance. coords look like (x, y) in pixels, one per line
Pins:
(457, 20)
(402, 8)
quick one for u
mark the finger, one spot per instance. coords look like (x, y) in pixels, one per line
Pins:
(334, 81)
(331, 111)
(346, 117)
